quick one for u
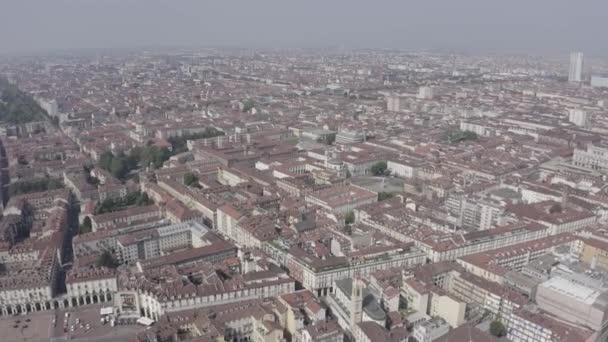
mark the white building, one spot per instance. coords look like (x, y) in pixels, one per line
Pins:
(586, 304)
(599, 81)
(431, 330)
(91, 286)
(481, 129)
(153, 302)
(319, 275)
(577, 117)
(576, 67)
(425, 93)
(537, 326)
(350, 137)
(50, 106)
(393, 103)
(594, 157)
(152, 243)
(29, 285)
(404, 167)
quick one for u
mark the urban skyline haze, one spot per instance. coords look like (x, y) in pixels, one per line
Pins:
(538, 27)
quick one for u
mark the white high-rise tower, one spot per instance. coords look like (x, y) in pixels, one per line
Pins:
(356, 301)
(576, 67)
(577, 117)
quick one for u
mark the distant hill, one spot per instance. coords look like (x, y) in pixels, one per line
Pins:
(17, 107)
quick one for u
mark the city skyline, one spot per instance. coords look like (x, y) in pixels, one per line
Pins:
(318, 171)
(540, 27)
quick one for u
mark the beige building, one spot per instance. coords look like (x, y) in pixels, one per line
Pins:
(449, 308)
(434, 301)
(594, 252)
(301, 306)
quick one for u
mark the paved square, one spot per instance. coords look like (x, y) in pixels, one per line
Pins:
(18, 329)
(98, 331)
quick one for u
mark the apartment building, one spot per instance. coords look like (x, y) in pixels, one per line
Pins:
(342, 199)
(594, 157)
(319, 275)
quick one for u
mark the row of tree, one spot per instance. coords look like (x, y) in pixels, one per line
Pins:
(118, 165)
(456, 136)
(107, 259)
(380, 169)
(34, 185)
(383, 195)
(122, 164)
(17, 107)
(115, 204)
(178, 144)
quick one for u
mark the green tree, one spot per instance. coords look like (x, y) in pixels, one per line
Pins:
(331, 139)
(497, 328)
(21, 160)
(34, 185)
(178, 144)
(248, 105)
(132, 160)
(190, 179)
(146, 158)
(143, 199)
(162, 156)
(349, 218)
(107, 206)
(469, 135)
(92, 180)
(107, 259)
(134, 198)
(154, 156)
(379, 169)
(385, 195)
(86, 226)
(117, 168)
(556, 208)
(105, 160)
(454, 137)
(17, 107)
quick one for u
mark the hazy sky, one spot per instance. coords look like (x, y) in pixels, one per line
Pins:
(517, 26)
